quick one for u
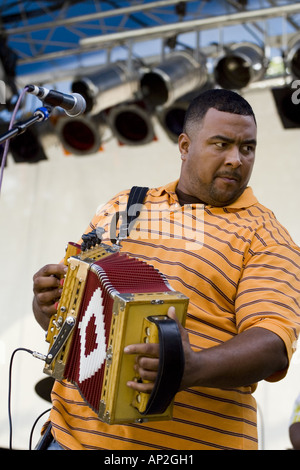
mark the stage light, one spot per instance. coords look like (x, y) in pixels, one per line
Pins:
(44, 387)
(293, 57)
(131, 124)
(178, 75)
(171, 119)
(26, 147)
(3, 129)
(288, 110)
(82, 135)
(242, 64)
(107, 87)
(8, 65)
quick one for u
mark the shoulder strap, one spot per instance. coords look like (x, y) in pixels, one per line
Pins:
(135, 200)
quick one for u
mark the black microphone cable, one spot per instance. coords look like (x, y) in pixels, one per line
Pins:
(36, 355)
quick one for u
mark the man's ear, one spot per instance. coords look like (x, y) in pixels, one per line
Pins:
(183, 144)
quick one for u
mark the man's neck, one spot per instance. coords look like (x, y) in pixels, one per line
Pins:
(187, 198)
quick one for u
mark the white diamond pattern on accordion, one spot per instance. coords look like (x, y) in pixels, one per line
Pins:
(91, 361)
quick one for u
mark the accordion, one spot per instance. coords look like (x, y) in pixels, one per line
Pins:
(109, 300)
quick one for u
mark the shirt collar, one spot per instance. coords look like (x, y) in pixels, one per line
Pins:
(246, 199)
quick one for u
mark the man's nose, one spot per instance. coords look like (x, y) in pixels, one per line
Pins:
(233, 157)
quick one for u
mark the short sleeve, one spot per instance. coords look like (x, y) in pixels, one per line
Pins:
(268, 294)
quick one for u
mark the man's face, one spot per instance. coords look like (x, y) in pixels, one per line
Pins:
(218, 157)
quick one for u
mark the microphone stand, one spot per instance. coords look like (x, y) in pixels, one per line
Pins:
(40, 114)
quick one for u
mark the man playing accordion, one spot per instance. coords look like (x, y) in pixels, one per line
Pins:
(217, 245)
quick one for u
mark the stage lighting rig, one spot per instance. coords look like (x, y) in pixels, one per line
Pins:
(293, 57)
(179, 74)
(131, 124)
(110, 85)
(242, 64)
(82, 135)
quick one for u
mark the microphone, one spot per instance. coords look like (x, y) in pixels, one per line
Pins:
(72, 104)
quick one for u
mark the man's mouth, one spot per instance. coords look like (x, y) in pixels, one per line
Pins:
(229, 177)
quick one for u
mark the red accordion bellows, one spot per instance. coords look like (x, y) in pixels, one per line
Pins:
(117, 273)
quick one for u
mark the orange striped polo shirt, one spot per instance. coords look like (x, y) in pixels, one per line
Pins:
(240, 269)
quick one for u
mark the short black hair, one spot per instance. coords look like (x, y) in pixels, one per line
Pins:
(220, 99)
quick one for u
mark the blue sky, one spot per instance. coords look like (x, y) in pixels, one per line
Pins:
(50, 40)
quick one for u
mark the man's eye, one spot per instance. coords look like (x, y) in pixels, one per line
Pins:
(221, 145)
(247, 149)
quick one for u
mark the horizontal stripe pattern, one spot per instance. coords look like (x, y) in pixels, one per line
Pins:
(240, 269)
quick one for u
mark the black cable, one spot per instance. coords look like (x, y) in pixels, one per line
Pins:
(38, 356)
(34, 424)
(9, 392)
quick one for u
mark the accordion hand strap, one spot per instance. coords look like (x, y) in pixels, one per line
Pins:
(171, 365)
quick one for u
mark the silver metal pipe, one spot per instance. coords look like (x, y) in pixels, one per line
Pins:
(186, 26)
(94, 16)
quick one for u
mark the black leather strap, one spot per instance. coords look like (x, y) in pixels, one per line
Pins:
(171, 365)
(135, 199)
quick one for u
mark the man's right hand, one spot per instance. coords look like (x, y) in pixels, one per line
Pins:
(47, 291)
